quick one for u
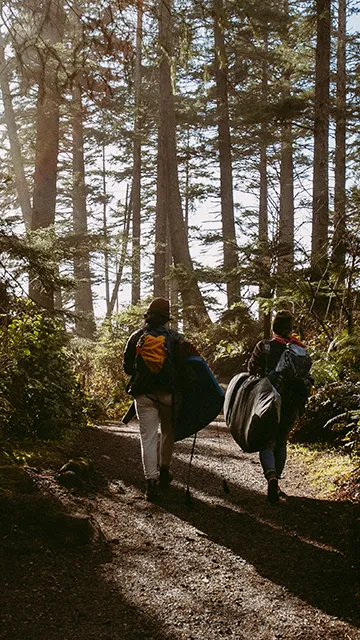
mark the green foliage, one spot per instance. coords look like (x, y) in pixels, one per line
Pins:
(346, 352)
(26, 453)
(39, 252)
(332, 417)
(39, 393)
(227, 344)
(325, 368)
(333, 414)
(341, 360)
(99, 365)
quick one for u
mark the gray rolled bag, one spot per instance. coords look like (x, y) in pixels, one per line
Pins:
(252, 411)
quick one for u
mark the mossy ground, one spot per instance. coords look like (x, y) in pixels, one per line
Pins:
(327, 469)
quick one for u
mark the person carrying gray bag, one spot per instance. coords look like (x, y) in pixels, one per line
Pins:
(262, 405)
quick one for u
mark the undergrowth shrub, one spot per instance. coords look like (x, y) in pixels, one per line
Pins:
(99, 366)
(332, 415)
(39, 392)
(228, 343)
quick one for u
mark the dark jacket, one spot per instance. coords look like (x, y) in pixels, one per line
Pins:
(140, 385)
(263, 362)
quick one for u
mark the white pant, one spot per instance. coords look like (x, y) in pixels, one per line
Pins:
(151, 410)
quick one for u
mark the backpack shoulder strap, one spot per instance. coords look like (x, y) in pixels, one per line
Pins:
(168, 340)
(266, 348)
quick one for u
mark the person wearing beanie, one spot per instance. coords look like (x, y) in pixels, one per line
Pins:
(263, 361)
(154, 403)
(159, 307)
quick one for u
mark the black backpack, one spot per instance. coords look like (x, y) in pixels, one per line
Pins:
(292, 373)
(294, 363)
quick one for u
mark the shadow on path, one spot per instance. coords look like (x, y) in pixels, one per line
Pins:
(303, 545)
(50, 591)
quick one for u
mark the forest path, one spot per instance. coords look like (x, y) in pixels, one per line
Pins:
(230, 566)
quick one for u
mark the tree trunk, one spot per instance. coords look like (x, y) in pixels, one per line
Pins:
(264, 289)
(105, 229)
(47, 145)
(171, 288)
(224, 141)
(194, 305)
(286, 218)
(162, 176)
(84, 322)
(168, 260)
(15, 149)
(187, 182)
(161, 212)
(320, 223)
(174, 304)
(136, 185)
(123, 253)
(339, 237)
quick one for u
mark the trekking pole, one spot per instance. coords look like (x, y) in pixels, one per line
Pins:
(225, 485)
(187, 492)
(130, 414)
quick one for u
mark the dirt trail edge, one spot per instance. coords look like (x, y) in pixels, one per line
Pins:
(226, 566)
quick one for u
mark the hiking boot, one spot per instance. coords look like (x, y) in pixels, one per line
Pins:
(165, 477)
(152, 493)
(273, 489)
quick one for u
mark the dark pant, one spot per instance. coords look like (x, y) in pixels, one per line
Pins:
(274, 457)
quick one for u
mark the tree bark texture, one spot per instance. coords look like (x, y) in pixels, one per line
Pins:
(105, 228)
(136, 185)
(162, 181)
(264, 288)
(15, 149)
(47, 143)
(339, 237)
(286, 216)
(84, 321)
(320, 222)
(224, 141)
(169, 180)
(122, 259)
